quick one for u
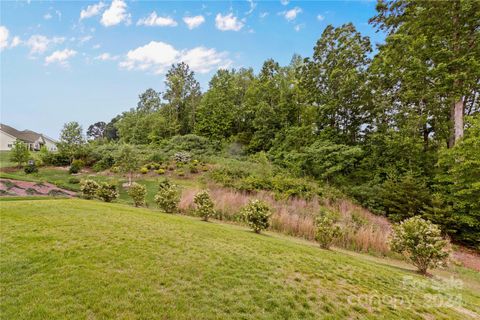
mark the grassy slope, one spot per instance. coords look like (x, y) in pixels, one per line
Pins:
(81, 259)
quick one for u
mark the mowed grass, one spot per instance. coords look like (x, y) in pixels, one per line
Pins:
(79, 259)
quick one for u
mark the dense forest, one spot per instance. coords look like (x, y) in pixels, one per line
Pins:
(396, 127)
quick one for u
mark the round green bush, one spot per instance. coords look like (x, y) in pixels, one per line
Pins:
(88, 188)
(143, 170)
(30, 168)
(76, 166)
(421, 242)
(160, 171)
(107, 192)
(257, 214)
(138, 194)
(204, 205)
(168, 197)
(326, 229)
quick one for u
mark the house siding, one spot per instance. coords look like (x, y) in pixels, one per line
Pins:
(6, 141)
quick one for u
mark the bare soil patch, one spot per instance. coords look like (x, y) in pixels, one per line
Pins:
(10, 187)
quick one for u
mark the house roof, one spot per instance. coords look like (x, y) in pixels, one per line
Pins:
(28, 136)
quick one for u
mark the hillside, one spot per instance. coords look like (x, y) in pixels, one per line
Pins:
(80, 259)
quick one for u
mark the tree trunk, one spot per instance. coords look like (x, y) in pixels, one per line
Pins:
(456, 116)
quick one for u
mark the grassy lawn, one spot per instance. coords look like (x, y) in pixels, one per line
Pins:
(5, 160)
(79, 259)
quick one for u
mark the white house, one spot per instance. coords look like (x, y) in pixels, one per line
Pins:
(34, 140)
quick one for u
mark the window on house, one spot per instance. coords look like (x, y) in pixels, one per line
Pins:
(9, 145)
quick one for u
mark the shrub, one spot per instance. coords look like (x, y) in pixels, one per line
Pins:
(107, 192)
(160, 171)
(74, 180)
(76, 166)
(138, 193)
(180, 172)
(115, 169)
(326, 229)
(143, 170)
(204, 205)
(167, 197)
(421, 242)
(30, 168)
(256, 214)
(89, 188)
(182, 157)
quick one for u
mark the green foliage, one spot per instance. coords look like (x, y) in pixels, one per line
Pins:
(168, 197)
(404, 197)
(30, 168)
(143, 170)
(74, 180)
(421, 242)
(107, 191)
(327, 230)
(458, 183)
(127, 161)
(76, 166)
(324, 159)
(160, 171)
(19, 153)
(257, 214)
(89, 188)
(138, 194)
(182, 157)
(71, 140)
(204, 205)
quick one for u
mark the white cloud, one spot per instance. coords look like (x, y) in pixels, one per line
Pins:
(39, 44)
(97, 46)
(15, 42)
(291, 14)
(157, 57)
(263, 15)
(4, 33)
(60, 57)
(47, 16)
(193, 22)
(115, 14)
(92, 10)
(155, 21)
(320, 17)
(228, 22)
(299, 27)
(106, 56)
(284, 2)
(84, 39)
(253, 5)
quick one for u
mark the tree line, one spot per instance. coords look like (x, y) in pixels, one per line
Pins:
(397, 128)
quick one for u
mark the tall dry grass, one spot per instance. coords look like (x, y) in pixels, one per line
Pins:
(361, 230)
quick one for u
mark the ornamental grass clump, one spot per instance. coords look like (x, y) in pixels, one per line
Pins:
(421, 242)
(257, 214)
(204, 205)
(138, 194)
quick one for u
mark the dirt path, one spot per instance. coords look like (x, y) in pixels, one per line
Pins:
(9, 187)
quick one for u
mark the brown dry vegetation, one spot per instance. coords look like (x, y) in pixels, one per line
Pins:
(363, 231)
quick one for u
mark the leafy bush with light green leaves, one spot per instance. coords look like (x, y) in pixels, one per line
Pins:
(327, 229)
(204, 205)
(88, 188)
(421, 242)
(76, 166)
(257, 214)
(138, 194)
(107, 192)
(167, 197)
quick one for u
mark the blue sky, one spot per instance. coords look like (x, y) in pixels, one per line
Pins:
(88, 61)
